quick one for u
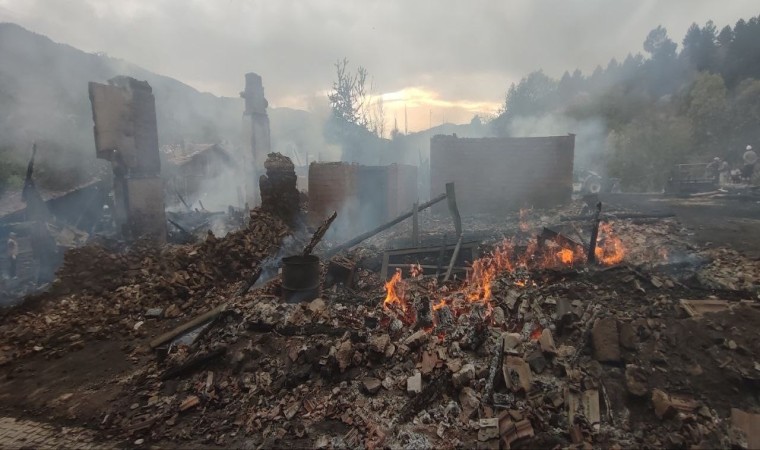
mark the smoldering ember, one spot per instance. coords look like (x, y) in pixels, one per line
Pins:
(451, 288)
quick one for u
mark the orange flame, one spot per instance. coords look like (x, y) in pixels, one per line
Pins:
(536, 333)
(439, 305)
(609, 248)
(566, 256)
(395, 292)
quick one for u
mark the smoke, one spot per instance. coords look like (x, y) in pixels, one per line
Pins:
(590, 136)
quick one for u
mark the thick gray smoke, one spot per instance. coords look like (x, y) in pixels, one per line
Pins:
(590, 136)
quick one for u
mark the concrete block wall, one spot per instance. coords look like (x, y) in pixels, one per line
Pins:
(493, 174)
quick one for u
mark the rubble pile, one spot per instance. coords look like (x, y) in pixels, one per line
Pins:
(530, 350)
(279, 195)
(570, 356)
(108, 287)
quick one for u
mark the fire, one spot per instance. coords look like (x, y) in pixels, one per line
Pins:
(536, 333)
(609, 248)
(395, 292)
(566, 256)
(439, 305)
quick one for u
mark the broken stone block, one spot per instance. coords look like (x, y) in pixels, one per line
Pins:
(635, 380)
(379, 343)
(469, 402)
(414, 383)
(371, 385)
(417, 339)
(517, 374)
(344, 355)
(627, 336)
(154, 312)
(605, 340)
(429, 361)
(547, 342)
(668, 405)
(488, 429)
(317, 306)
(749, 425)
(511, 341)
(464, 375)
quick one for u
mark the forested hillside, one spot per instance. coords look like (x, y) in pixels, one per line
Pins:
(638, 117)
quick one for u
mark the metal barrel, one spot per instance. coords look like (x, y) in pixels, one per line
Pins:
(300, 278)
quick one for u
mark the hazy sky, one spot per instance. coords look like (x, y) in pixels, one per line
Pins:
(449, 57)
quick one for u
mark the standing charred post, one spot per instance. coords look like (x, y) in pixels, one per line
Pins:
(256, 124)
(591, 257)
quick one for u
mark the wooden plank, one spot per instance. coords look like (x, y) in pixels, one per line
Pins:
(188, 326)
(454, 257)
(453, 209)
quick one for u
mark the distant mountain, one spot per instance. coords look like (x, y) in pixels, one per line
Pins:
(44, 98)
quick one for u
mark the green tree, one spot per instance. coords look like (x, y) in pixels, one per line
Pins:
(643, 152)
(700, 48)
(708, 111)
(745, 116)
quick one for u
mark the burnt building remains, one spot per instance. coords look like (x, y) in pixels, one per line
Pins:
(256, 129)
(126, 134)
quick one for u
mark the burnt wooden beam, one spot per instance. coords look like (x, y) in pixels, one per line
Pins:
(451, 199)
(383, 227)
(591, 256)
(319, 234)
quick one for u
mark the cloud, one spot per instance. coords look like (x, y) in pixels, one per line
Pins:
(463, 53)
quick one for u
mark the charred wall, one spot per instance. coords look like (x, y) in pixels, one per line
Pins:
(494, 174)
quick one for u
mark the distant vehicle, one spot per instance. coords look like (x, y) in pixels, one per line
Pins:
(590, 182)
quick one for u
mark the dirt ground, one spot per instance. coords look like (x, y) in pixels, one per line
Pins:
(716, 222)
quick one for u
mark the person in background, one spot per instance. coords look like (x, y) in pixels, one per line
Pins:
(711, 171)
(11, 248)
(724, 173)
(750, 158)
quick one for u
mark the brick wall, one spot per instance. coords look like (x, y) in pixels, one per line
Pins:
(364, 196)
(494, 174)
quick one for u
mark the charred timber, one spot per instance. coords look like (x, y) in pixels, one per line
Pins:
(319, 234)
(591, 257)
(494, 368)
(381, 228)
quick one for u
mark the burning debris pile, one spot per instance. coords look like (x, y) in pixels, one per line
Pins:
(533, 348)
